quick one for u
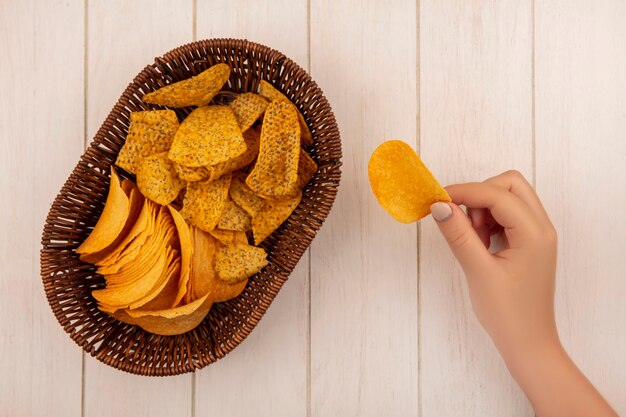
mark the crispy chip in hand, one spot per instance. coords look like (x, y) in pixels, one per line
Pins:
(402, 183)
(276, 170)
(194, 91)
(157, 179)
(208, 136)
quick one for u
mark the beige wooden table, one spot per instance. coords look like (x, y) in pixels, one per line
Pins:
(375, 321)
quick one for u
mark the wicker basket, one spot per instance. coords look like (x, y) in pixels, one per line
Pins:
(68, 282)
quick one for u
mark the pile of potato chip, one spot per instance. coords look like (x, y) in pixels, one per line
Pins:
(238, 170)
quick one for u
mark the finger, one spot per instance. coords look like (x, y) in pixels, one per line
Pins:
(478, 217)
(506, 208)
(483, 233)
(515, 182)
(466, 245)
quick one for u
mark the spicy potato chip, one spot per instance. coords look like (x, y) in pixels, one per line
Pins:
(234, 218)
(306, 169)
(149, 133)
(157, 179)
(224, 236)
(195, 91)
(191, 174)
(136, 202)
(238, 261)
(252, 137)
(142, 228)
(403, 185)
(159, 234)
(244, 197)
(248, 107)
(208, 136)
(268, 91)
(123, 295)
(205, 278)
(276, 170)
(111, 221)
(172, 321)
(272, 215)
(185, 237)
(169, 275)
(204, 202)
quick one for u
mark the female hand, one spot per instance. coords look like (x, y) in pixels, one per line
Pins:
(512, 290)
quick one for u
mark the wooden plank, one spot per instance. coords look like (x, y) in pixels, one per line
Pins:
(364, 337)
(268, 371)
(476, 121)
(41, 127)
(123, 37)
(581, 172)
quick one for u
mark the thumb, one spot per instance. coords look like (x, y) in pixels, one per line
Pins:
(462, 238)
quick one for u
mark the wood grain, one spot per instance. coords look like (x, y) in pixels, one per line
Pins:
(363, 263)
(581, 177)
(270, 368)
(476, 121)
(41, 126)
(454, 79)
(124, 37)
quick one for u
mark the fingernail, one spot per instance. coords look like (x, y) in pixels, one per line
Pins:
(441, 211)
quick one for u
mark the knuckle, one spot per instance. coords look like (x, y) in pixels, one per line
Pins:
(550, 235)
(515, 175)
(546, 237)
(459, 238)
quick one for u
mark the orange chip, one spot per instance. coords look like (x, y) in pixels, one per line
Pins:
(268, 91)
(136, 202)
(142, 228)
(306, 169)
(248, 107)
(169, 322)
(191, 174)
(123, 295)
(149, 133)
(204, 202)
(205, 277)
(272, 215)
(244, 196)
(252, 137)
(169, 275)
(157, 179)
(402, 183)
(276, 170)
(194, 91)
(208, 136)
(224, 236)
(234, 218)
(185, 237)
(111, 221)
(238, 261)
